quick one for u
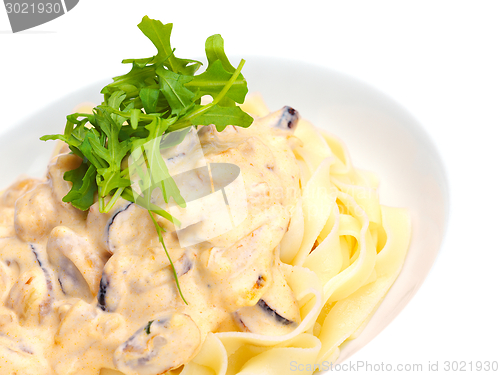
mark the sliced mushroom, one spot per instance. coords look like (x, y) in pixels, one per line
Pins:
(98, 224)
(103, 290)
(273, 313)
(14, 255)
(212, 140)
(110, 241)
(73, 318)
(7, 228)
(286, 118)
(131, 224)
(87, 335)
(126, 276)
(242, 271)
(29, 297)
(124, 224)
(111, 289)
(47, 306)
(182, 151)
(5, 279)
(84, 317)
(161, 345)
(77, 266)
(164, 275)
(276, 313)
(113, 286)
(17, 189)
(16, 345)
(19, 358)
(35, 214)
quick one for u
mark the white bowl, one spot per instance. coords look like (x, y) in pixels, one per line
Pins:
(381, 136)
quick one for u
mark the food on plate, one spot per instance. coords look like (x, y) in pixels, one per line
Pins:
(178, 235)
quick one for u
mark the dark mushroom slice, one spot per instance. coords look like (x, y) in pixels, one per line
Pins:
(129, 226)
(103, 290)
(111, 221)
(161, 345)
(120, 273)
(276, 313)
(183, 265)
(46, 307)
(112, 285)
(115, 279)
(32, 293)
(237, 268)
(273, 313)
(286, 118)
(98, 224)
(77, 266)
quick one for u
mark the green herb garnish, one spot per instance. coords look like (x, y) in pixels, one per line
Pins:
(148, 327)
(159, 95)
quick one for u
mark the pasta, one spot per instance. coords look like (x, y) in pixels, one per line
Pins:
(339, 256)
(362, 246)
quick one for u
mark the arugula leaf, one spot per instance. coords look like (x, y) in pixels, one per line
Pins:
(82, 192)
(213, 80)
(149, 97)
(172, 87)
(159, 34)
(134, 117)
(214, 49)
(123, 137)
(224, 116)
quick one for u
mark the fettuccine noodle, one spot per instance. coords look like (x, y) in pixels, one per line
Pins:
(342, 253)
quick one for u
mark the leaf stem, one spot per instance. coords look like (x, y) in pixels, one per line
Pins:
(113, 200)
(101, 199)
(229, 83)
(160, 238)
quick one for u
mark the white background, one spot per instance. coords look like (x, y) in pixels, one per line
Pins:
(439, 59)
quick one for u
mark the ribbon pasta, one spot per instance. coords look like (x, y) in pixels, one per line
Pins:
(341, 254)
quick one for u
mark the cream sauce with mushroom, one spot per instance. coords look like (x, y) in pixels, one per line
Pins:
(82, 291)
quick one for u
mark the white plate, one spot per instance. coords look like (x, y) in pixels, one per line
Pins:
(380, 135)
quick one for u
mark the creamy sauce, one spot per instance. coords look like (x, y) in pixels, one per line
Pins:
(82, 291)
